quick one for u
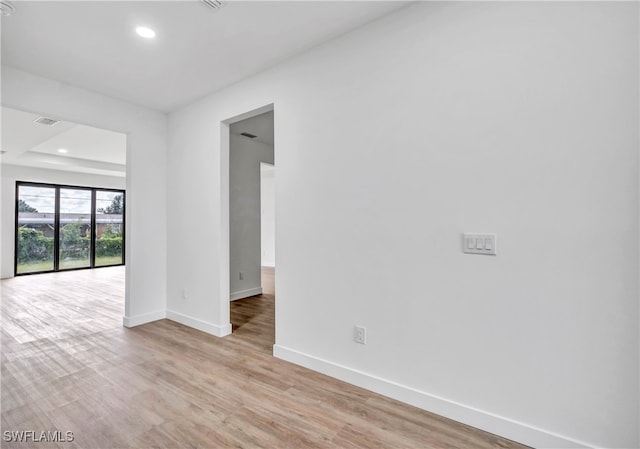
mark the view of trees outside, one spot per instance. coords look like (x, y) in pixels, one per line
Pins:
(24, 207)
(75, 228)
(36, 221)
(109, 226)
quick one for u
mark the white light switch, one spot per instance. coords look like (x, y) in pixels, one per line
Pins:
(471, 242)
(480, 244)
(488, 244)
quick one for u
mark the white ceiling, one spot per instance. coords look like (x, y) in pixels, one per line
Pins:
(89, 150)
(92, 44)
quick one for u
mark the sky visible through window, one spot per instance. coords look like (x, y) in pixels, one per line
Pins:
(71, 200)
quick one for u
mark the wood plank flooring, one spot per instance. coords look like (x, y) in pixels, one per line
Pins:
(253, 319)
(69, 365)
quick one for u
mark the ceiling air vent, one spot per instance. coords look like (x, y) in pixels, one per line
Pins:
(250, 136)
(213, 4)
(46, 121)
(6, 8)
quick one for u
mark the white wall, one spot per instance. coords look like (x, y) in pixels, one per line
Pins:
(267, 215)
(12, 173)
(146, 249)
(245, 156)
(519, 118)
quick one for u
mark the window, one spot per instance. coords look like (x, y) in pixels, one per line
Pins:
(109, 228)
(35, 234)
(75, 229)
(64, 227)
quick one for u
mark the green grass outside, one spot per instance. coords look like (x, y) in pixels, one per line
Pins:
(108, 260)
(47, 265)
(31, 267)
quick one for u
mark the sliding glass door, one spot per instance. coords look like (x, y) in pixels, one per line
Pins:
(109, 228)
(64, 227)
(35, 234)
(75, 228)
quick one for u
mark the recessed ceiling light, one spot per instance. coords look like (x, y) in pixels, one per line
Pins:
(145, 32)
(62, 150)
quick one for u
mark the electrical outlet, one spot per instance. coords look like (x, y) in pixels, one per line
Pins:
(360, 335)
(185, 295)
(241, 276)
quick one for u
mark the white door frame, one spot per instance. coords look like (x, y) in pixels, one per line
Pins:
(225, 275)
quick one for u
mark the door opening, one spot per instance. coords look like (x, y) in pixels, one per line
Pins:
(67, 204)
(252, 229)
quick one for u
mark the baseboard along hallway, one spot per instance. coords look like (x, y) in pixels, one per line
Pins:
(69, 365)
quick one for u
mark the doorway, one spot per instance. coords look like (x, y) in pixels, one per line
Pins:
(63, 187)
(252, 229)
(63, 209)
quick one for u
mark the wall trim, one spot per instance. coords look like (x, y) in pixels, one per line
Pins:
(245, 293)
(137, 320)
(209, 328)
(489, 422)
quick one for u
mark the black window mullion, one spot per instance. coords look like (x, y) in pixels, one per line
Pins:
(124, 221)
(56, 232)
(92, 256)
(15, 246)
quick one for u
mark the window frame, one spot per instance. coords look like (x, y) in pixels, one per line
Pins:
(56, 231)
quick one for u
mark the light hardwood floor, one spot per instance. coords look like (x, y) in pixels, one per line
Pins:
(69, 365)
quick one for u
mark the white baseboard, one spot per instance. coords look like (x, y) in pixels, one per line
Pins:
(209, 328)
(498, 425)
(245, 293)
(137, 320)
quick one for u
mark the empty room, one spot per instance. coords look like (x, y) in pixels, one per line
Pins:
(320, 224)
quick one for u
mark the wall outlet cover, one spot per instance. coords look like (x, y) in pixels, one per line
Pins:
(360, 335)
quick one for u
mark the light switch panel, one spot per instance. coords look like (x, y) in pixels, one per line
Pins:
(471, 242)
(480, 244)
